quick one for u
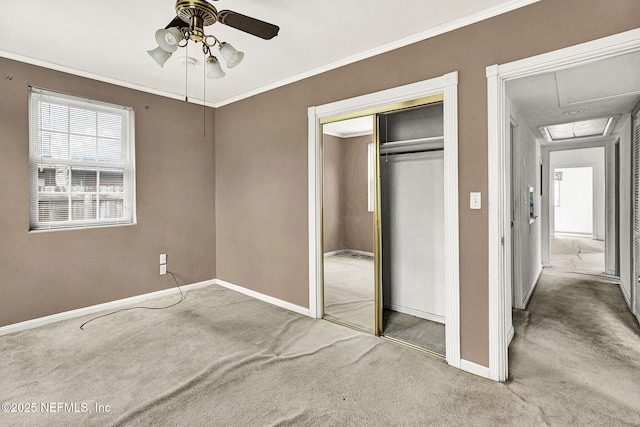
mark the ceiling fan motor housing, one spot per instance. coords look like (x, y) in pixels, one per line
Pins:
(198, 14)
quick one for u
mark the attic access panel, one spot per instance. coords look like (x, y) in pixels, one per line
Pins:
(581, 129)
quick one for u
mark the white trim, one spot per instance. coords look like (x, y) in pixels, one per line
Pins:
(262, 297)
(93, 76)
(315, 201)
(430, 33)
(417, 313)
(349, 252)
(112, 305)
(446, 84)
(451, 221)
(526, 299)
(334, 253)
(474, 368)
(511, 334)
(626, 297)
(497, 75)
(433, 32)
(498, 198)
(351, 135)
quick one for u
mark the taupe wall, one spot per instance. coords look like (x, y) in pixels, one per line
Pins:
(332, 218)
(51, 272)
(358, 221)
(347, 222)
(261, 148)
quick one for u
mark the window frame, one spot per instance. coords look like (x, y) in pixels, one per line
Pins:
(38, 163)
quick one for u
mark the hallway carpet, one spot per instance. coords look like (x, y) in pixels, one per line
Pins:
(576, 353)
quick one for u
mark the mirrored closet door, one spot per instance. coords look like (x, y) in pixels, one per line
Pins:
(348, 222)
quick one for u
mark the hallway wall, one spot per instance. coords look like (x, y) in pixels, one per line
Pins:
(625, 205)
(527, 262)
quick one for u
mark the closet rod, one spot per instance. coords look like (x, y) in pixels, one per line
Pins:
(412, 141)
(393, 153)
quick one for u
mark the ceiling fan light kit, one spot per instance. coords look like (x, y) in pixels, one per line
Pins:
(169, 38)
(159, 55)
(214, 70)
(188, 25)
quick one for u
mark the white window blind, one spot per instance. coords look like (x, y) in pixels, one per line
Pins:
(81, 162)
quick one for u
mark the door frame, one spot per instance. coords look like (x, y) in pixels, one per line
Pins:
(499, 199)
(377, 101)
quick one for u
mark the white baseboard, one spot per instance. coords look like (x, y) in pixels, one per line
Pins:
(334, 253)
(533, 288)
(418, 313)
(510, 335)
(625, 296)
(474, 368)
(349, 252)
(266, 298)
(112, 305)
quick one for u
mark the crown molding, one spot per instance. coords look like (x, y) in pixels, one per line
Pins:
(430, 33)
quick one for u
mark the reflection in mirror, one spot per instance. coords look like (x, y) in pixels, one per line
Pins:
(348, 240)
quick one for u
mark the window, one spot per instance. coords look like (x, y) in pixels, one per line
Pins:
(81, 162)
(556, 187)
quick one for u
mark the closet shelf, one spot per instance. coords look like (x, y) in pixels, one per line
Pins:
(413, 141)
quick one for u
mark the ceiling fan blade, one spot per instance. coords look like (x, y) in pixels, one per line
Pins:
(247, 24)
(176, 22)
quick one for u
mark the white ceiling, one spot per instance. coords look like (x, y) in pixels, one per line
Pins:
(108, 40)
(605, 88)
(350, 128)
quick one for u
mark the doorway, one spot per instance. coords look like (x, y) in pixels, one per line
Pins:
(575, 244)
(590, 54)
(573, 201)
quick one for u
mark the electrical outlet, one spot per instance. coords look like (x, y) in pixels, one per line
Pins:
(163, 258)
(163, 269)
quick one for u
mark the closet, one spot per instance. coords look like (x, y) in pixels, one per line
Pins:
(412, 225)
(383, 224)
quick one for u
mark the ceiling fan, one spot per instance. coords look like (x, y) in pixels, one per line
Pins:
(191, 18)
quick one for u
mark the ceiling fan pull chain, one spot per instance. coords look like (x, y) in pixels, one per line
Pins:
(186, 74)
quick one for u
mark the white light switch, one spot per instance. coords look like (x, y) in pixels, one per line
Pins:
(475, 200)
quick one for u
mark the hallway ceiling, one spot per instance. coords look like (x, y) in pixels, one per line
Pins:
(604, 88)
(108, 40)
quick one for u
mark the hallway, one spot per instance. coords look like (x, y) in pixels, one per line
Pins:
(577, 344)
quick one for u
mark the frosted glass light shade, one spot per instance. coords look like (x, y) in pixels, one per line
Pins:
(169, 38)
(214, 70)
(231, 56)
(159, 55)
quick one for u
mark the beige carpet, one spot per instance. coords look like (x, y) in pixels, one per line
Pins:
(349, 287)
(415, 330)
(576, 353)
(577, 254)
(223, 359)
(349, 298)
